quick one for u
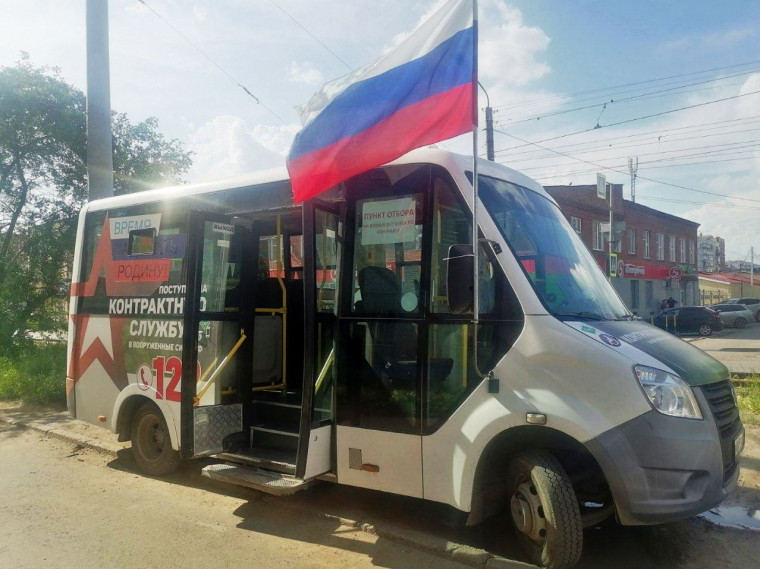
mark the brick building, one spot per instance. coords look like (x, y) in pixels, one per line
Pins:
(656, 252)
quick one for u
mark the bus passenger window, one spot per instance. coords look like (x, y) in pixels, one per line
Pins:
(388, 255)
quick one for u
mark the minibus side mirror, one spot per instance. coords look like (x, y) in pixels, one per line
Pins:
(459, 267)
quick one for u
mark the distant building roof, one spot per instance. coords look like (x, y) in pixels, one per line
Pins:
(731, 277)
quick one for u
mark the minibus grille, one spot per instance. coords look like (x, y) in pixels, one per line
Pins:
(723, 406)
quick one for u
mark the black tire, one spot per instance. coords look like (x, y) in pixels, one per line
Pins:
(740, 323)
(705, 330)
(151, 444)
(545, 510)
(757, 316)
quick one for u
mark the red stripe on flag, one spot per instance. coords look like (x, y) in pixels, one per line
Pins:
(436, 118)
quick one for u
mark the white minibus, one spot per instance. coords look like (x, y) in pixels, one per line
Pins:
(335, 340)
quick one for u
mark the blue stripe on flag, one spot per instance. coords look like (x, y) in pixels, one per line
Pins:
(372, 100)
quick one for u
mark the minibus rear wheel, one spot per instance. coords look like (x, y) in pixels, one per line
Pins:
(151, 444)
(544, 510)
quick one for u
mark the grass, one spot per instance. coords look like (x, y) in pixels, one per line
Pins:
(748, 396)
(34, 374)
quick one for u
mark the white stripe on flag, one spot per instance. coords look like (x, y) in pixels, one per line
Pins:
(454, 16)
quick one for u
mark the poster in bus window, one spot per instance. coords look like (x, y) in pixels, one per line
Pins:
(388, 221)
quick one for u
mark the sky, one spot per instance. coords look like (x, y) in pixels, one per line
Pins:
(553, 71)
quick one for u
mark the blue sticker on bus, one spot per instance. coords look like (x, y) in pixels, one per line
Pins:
(610, 340)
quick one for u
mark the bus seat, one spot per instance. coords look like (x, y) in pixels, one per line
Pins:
(268, 332)
(267, 349)
(381, 291)
(295, 322)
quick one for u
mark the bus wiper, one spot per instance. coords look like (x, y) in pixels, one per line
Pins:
(625, 317)
(582, 314)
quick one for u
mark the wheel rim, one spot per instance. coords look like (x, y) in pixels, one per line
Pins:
(705, 330)
(739, 323)
(152, 437)
(527, 512)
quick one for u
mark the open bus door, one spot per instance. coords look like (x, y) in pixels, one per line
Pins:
(275, 422)
(323, 232)
(218, 333)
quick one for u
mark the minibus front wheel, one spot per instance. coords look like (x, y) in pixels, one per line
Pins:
(544, 510)
(151, 444)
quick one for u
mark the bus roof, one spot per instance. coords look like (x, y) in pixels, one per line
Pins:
(455, 163)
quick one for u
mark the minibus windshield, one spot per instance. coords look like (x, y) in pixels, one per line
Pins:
(565, 275)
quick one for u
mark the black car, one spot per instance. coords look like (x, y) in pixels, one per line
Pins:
(698, 319)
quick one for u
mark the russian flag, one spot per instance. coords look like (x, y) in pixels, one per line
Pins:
(420, 93)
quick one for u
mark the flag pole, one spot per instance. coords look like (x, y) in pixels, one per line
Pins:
(475, 250)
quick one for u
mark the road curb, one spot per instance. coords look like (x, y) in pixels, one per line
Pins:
(60, 434)
(419, 540)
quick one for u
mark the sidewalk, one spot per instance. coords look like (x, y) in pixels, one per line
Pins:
(386, 516)
(737, 349)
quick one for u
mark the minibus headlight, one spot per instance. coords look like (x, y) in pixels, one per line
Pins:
(668, 393)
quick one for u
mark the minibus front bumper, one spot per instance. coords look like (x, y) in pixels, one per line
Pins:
(661, 468)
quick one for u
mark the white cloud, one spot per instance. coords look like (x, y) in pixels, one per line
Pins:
(200, 13)
(277, 139)
(225, 147)
(510, 50)
(305, 73)
(714, 40)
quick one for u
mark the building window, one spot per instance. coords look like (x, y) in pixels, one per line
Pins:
(617, 246)
(597, 237)
(672, 248)
(682, 249)
(631, 241)
(647, 254)
(634, 294)
(649, 294)
(660, 246)
(577, 224)
(692, 257)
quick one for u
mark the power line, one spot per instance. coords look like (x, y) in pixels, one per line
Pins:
(622, 165)
(634, 98)
(214, 63)
(724, 147)
(602, 89)
(711, 204)
(598, 126)
(315, 38)
(638, 176)
(648, 142)
(659, 132)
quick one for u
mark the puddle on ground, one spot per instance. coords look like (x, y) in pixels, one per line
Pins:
(733, 517)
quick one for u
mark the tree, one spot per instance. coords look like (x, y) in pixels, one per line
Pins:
(43, 184)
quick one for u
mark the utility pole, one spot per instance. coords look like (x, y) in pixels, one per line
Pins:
(633, 166)
(490, 154)
(612, 235)
(99, 141)
(489, 134)
(752, 266)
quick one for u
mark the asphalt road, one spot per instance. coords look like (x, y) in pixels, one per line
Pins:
(738, 349)
(63, 507)
(67, 507)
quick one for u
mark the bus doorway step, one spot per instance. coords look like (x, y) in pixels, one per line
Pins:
(265, 481)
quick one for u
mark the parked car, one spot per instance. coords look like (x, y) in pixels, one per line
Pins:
(699, 319)
(752, 303)
(736, 315)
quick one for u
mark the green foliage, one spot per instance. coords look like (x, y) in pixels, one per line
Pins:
(748, 396)
(43, 184)
(34, 374)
